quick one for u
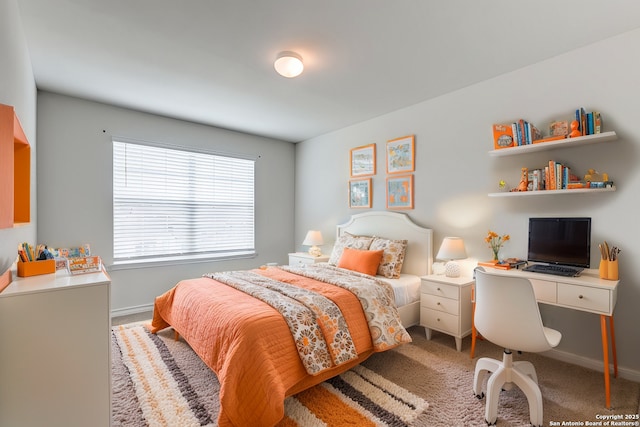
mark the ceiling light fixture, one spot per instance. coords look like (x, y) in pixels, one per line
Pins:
(288, 64)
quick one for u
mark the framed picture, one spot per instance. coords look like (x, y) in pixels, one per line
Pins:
(363, 160)
(400, 192)
(400, 155)
(360, 193)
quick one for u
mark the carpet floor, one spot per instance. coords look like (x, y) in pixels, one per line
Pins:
(427, 371)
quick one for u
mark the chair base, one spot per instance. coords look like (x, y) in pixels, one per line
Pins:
(505, 373)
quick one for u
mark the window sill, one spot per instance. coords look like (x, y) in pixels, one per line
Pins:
(177, 260)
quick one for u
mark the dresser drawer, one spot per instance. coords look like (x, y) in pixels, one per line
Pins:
(446, 305)
(444, 322)
(586, 298)
(440, 289)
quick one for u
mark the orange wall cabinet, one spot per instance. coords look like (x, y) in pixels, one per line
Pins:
(15, 170)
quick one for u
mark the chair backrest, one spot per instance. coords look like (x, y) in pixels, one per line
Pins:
(507, 312)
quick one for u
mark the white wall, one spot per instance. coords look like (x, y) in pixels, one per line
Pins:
(454, 173)
(17, 88)
(75, 183)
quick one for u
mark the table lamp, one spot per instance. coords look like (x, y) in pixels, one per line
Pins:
(452, 248)
(313, 239)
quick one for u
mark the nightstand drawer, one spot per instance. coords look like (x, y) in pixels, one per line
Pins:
(297, 259)
(440, 289)
(591, 299)
(444, 322)
(446, 305)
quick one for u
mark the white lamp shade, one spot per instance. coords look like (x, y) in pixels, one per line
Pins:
(452, 248)
(289, 64)
(313, 238)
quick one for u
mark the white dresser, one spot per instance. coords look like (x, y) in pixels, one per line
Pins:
(55, 351)
(445, 306)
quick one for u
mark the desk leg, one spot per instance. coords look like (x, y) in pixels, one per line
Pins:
(474, 333)
(605, 352)
(613, 347)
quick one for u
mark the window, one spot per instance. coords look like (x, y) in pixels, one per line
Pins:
(173, 204)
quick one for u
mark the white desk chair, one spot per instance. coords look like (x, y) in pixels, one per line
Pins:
(507, 314)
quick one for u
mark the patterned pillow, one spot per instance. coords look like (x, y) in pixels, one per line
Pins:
(348, 241)
(392, 257)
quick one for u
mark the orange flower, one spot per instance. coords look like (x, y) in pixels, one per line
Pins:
(495, 242)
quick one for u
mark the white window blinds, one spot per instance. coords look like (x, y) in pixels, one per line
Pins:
(171, 203)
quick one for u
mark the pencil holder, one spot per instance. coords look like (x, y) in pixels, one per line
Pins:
(604, 269)
(35, 268)
(612, 270)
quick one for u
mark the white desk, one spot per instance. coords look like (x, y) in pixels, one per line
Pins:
(585, 293)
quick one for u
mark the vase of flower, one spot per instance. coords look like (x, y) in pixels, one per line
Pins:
(495, 242)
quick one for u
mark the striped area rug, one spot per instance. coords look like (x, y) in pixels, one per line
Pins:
(155, 386)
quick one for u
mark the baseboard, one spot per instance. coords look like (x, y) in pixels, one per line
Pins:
(595, 364)
(131, 310)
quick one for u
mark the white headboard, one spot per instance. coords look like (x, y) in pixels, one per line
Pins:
(395, 225)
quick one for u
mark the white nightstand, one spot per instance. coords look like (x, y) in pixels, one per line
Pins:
(445, 306)
(302, 258)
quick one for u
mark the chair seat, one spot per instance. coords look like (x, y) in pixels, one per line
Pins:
(553, 336)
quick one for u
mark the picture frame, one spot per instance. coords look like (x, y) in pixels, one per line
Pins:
(400, 192)
(363, 160)
(360, 193)
(401, 155)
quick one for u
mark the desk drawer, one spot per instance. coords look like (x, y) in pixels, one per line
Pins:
(440, 289)
(446, 305)
(544, 290)
(439, 321)
(583, 297)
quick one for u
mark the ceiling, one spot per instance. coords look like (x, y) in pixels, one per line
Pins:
(211, 61)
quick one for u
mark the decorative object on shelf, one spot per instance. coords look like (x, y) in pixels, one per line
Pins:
(363, 160)
(502, 185)
(400, 192)
(288, 64)
(559, 128)
(314, 239)
(575, 129)
(524, 180)
(400, 155)
(452, 249)
(495, 242)
(360, 193)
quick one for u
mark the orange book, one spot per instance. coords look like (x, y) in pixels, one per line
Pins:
(502, 136)
(552, 175)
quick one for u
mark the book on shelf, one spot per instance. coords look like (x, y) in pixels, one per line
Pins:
(590, 123)
(502, 136)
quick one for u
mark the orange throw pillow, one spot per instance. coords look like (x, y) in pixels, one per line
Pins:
(366, 262)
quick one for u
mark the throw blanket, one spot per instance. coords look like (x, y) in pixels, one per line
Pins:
(375, 295)
(316, 323)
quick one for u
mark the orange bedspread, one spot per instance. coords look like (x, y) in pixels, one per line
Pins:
(248, 344)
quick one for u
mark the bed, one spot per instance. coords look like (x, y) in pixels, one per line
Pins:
(259, 348)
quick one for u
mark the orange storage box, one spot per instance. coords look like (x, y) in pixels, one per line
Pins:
(35, 268)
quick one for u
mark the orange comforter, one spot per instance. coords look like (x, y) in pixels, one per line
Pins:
(248, 344)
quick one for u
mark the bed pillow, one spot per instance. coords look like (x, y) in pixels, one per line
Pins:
(362, 261)
(348, 241)
(392, 258)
